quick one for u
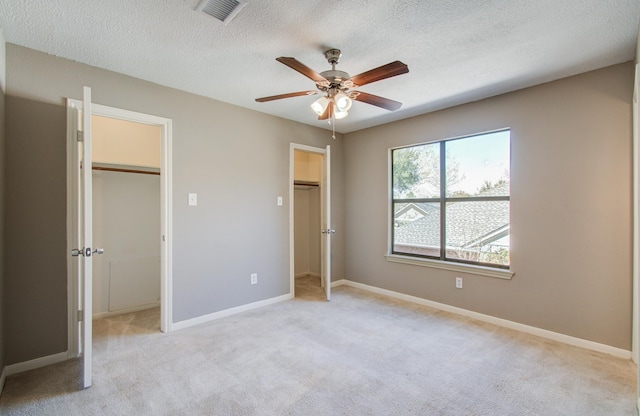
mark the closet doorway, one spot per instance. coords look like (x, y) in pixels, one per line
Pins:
(126, 167)
(309, 222)
(78, 306)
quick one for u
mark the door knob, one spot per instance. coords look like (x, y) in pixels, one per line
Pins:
(86, 251)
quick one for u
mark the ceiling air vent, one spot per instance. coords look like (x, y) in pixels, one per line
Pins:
(223, 10)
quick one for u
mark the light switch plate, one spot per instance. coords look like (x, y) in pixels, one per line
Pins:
(279, 201)
(193, 200)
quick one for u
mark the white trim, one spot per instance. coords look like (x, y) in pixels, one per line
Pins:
(635, 318)
(166, 192)
(109, 314)
(337, 283)
(36, 363)
(636, 220)
(3, 378)
(72, 213)
(166, 215)
(309, 149)
(228, 312)
(456, 267)
(543, 333)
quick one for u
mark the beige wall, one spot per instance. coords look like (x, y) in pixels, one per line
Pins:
(237, 161)
(123, 142)
(126, 223)
(570, 206)
(307, 166)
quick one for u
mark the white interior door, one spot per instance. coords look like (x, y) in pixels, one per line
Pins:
(327, 231)
(84, 250)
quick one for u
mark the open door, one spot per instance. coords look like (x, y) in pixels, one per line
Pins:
(84, 251)
(327, 231)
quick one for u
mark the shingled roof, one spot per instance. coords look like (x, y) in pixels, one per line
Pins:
(469, 223)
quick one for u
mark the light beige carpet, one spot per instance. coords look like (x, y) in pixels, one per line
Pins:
(360, 354)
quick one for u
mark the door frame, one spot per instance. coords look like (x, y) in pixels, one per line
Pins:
(323, 207)
(166, 218)
(635, 326)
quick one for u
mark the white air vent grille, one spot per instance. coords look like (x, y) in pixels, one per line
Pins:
(223, 10)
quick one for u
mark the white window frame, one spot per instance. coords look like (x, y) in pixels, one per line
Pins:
(390, 256)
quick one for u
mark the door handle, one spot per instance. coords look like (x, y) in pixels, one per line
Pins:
(328, 231)
(86, 251)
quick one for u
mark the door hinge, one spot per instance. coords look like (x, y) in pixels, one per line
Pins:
(80, 136)
(80, 316)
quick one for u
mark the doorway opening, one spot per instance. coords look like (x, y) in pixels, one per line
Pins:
(126, 168)
(309, 216)
(123, 267)
(306, 214)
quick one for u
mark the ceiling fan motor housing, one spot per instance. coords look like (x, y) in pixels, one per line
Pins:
(337, 79)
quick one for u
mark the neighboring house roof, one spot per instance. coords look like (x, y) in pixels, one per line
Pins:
(469, 223)
(421, 208)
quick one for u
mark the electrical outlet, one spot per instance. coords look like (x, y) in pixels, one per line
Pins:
(459, 282)
(254, 278)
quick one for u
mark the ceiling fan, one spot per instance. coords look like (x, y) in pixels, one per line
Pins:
(338, 87)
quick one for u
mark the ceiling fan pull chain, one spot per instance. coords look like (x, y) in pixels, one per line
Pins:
(333, 118)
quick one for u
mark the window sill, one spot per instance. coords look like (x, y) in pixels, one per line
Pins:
(456, 267)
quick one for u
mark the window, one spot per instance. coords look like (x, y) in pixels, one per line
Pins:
(450, 200)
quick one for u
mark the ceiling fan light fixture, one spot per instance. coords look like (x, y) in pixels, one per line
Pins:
(320, 105)
(343, 102)
(340, 114)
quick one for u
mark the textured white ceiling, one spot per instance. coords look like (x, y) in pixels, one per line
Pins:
(457, 50)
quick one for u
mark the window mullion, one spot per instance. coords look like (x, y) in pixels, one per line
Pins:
(443, 194)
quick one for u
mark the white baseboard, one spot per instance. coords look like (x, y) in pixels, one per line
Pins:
(100, 315)
(36, 363)
(3, 378)
(543, 333)
(228, 312)
(338, 283)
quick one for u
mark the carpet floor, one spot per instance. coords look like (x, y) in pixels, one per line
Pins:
(360, 354)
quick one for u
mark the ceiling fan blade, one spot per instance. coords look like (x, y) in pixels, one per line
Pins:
(327, 113)
(376, 100)
(293, 63)
(385, 71)
(288, 95)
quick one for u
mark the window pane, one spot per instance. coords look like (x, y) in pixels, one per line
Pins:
(416, 172)
(417, 228)
(478, 231)
(478, 165)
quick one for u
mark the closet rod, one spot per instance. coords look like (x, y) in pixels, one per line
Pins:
(302, 183)
(145, 172)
